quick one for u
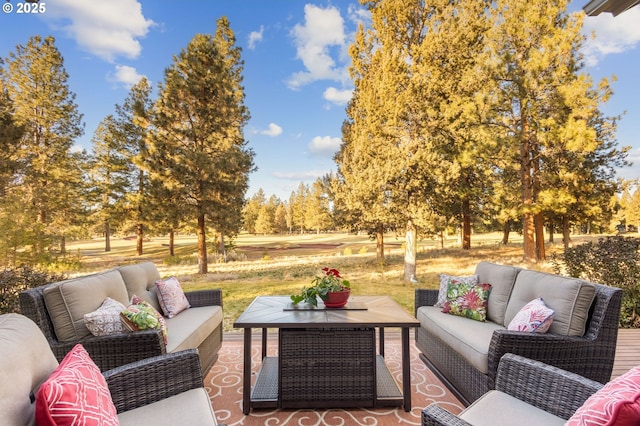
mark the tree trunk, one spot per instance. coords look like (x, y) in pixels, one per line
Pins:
(380, 242)
(506, 229)
(222, 248)
(139, 238)
(202, 246)
(538, 220)
(410, 252)
(63, 245)
(551, 235)
(566, 234)
(140, 229)
(528, 228)
(107, 236)
(441, 239)
(466, 225)
(172, 245)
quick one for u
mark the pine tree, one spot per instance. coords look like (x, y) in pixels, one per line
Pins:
(110, 177)
(197, 146)
(44, 107)
(545, 108)
(131, 126)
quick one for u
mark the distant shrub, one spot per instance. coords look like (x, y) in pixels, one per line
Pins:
(363, 250)
(613, 261)
(347, 251)
(13, 281)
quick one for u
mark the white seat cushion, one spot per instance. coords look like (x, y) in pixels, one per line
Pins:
(191, 408)
(500, 409)
(191, 327)
(470, 339)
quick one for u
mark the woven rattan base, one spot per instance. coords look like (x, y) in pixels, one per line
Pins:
(325, 369)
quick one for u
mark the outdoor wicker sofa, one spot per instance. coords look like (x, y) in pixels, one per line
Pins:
(465, 353)
(58, 309)
(163, 390)
(527, 392)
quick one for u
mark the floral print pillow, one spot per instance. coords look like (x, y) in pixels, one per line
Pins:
(140, 315)
(171, 297)
(534, 317)
(467, 300)
(445, 280)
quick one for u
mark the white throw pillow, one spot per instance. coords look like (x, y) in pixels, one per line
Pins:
(105, 320)
(534, 317)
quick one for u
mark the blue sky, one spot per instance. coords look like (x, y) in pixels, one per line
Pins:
(296, 67)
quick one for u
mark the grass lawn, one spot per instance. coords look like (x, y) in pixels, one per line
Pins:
(283, 264)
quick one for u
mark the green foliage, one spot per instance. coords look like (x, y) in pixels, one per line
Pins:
(329, 281)
(14, 281)
(613, 261)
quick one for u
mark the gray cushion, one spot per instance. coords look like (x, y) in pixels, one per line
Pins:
(192, 408)
(570, 298)
(140, 281)
(68, 301)
(27, 361)
(469, 338)
(501, 278)
(500, 409)
(191, 327)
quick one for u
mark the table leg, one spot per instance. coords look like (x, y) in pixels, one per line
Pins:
(406, 370)
(381, 331)
(264, 343)
(246, 373)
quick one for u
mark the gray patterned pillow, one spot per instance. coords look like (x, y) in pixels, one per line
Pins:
(444, 284)
(106, 319)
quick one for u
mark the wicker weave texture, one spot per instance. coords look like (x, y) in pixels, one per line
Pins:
(590, 356)
(324, 366)
(543, 386)
(109, 352)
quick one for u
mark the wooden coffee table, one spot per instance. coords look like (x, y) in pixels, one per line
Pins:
(326, 357)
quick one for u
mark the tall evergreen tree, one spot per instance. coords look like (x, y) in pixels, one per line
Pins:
(544, 106)
(44, 107)
(110, 177)
(132, 125)
(198, 148)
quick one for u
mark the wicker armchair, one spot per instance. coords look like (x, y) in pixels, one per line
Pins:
(113, 351)
(155, 390)
(543, 395)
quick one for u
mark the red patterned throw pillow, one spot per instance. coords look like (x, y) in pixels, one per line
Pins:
(617, 403)
(75, 394)
(171, 297)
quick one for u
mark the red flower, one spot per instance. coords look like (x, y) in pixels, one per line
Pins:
(332, 272)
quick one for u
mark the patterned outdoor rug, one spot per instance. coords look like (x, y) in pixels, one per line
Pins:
(224, 384)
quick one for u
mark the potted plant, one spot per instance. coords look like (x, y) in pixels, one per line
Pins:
(328, 286)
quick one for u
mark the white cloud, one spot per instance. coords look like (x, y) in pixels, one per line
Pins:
(105, 28)
(298, 176)
(322, 30)
(613, 35)
(125, 75)
(338, 97)
(273, 130)
(324, 146)
(254, 37)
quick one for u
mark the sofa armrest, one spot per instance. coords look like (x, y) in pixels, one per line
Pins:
(204, 297)
(571, 353)
(435, 415)
(153, 379)
(425, 297)
(549, 388)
